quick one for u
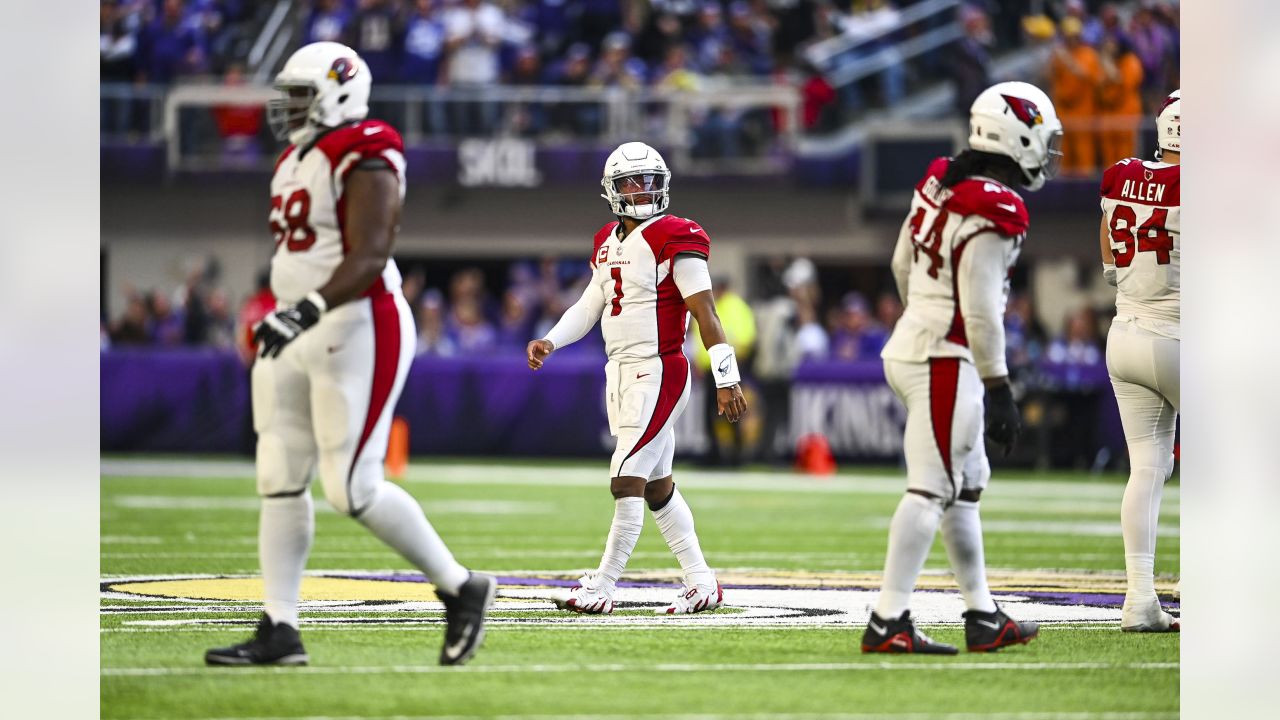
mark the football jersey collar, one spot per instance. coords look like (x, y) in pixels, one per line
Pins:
(639, 227)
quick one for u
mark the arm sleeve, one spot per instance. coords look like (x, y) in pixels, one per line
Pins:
(579, 318)
(901, 264)
(982, 276)
(691, 274)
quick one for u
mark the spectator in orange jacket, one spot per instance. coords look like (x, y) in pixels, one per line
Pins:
(1076, 74)
(1120, 99)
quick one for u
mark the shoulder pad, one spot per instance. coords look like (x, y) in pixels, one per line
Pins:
(368, 139)
(601, 236)
(936, 170)
(998, 204)
(284, 155)
(673, 235)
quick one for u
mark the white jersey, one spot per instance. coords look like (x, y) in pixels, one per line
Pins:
(1141, 207)
(644, 313)
(308, 210)
(951, 265)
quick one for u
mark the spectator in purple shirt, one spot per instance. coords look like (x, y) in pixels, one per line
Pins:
(327, 21)
(857, 336)
(170, 46)
(423, 44)
(373, 32)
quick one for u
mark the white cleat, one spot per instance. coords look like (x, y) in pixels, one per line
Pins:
(591, 597)
(1147, 616)
(695, 598)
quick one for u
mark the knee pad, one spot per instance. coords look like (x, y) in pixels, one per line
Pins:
(351, 490)
(280, 470)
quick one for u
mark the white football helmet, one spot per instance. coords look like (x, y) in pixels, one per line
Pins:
(325, 84)
(639, 161)
(1018, 120)
(1169, 124)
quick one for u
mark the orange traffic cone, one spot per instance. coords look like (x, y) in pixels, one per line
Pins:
(813, 455)
(398, 448)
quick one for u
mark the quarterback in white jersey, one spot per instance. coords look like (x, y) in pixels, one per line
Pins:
(648, 273)
(1140, 241)
(335, 352)
(962, 236)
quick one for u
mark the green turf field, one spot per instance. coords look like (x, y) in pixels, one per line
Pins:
(798, 557)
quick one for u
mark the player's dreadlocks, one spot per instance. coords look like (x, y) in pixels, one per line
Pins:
(976, 162)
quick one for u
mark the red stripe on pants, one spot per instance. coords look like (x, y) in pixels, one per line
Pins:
(675, 374)
(944, 378)
(386, 360)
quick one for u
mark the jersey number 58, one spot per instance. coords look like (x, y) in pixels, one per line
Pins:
(289, 220)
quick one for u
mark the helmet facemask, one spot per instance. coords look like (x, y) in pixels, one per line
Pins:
(1049, 167)
(638, 195)
(289, 116)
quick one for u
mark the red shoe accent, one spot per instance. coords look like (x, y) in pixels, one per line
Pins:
(1003, 639)
(900, 643)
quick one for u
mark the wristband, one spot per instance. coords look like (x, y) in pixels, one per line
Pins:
(315, 298)
(724, 365)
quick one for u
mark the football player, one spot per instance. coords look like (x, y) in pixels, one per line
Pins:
(1139, 239)
(649, 272)
(954, 253)
(334, 354)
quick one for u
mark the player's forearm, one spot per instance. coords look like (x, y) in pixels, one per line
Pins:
(578, 320)
(981, 281)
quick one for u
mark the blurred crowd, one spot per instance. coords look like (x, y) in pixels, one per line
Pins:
(1096, 55)
(1108, 69)
(786, 321)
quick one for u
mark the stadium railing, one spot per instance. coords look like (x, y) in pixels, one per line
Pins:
(747, 128)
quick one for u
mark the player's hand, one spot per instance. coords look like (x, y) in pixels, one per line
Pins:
(281, 327)
(1004, 423)
(538, 350)
(730, 403)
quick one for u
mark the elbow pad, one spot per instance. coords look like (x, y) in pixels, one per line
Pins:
(724, 365)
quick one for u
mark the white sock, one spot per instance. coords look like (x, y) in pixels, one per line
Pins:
(285, 528)
(911, 532)
(397, 520)
(628, 521)
(962, 534)
(675, 520)
(1139, 516)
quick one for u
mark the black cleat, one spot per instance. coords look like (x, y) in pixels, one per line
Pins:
(464, 614)
(987, 632)
(900, 636)
(272, 644)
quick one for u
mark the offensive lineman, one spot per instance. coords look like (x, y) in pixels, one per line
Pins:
(649, 271)
(334, 354)
(1140, 240)
(951, 263)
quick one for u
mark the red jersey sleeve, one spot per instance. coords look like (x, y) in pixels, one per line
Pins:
(371, 140)
(673, 235)
(936, 170)
(1112, 178)
(993, 201)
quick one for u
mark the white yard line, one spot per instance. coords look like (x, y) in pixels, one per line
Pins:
(481, 473)
(941, 666)
(1142, 715)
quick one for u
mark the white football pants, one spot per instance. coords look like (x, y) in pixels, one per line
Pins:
(328, 399)
(943, 440)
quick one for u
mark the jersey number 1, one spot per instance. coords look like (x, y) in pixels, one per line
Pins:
(616, 274)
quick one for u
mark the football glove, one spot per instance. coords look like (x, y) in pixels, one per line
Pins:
(281, 327)
(1004, 423)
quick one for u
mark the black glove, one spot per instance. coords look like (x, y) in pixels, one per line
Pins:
(281, 327)
(1004, 423)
